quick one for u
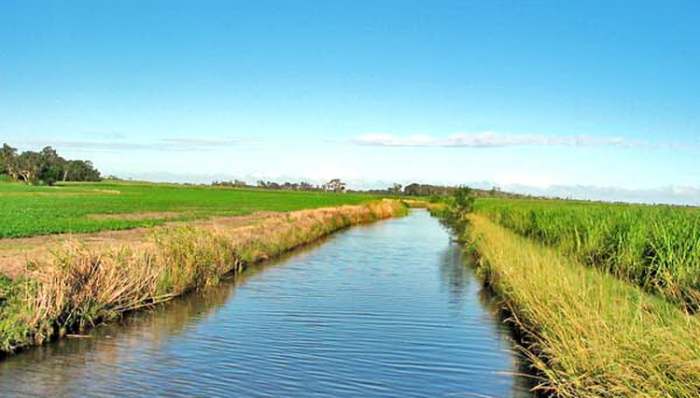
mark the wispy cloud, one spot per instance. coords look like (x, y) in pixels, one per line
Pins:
(104, 135)
(163, 144)
(490, 140)
(204, 142)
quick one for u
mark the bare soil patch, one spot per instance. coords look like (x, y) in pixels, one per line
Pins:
(152, 215)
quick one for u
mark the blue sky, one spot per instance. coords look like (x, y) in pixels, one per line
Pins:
(528, 95)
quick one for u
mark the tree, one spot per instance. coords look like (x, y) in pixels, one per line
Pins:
(80, 170)
(29, 166)
(461, 204)
(334, 185)
(416, 189)
(8, 161)
(395, 189)
(46, 166)
(463, 200)
(305, 186)
(52, 166)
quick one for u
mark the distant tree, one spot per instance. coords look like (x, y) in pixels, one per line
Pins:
(395, 189)
(46, 166)
(305, 186)
(461, 204)
(411, 189)
(441, 192)
(8, 161)
(29, 166)
(80, 170)
(51, 166)
(289, 186)
(416, 189)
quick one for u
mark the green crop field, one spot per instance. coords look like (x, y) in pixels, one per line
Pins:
(89, 207)
(655, 247)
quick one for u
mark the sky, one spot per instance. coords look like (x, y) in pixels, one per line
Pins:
(586, 99)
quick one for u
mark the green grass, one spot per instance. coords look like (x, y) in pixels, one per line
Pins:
(655, 247)
(588, 333)
(13, 311)
(29, 210)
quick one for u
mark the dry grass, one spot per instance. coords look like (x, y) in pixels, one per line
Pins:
(433, 207)
(16, 253)
(588, 333)
(79, 285)
(147, 215)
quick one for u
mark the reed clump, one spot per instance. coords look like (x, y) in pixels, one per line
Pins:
(654, 247)
(79, 285)
(435, 207)
(587, 333)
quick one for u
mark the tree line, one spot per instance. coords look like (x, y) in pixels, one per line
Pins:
(334, 185)
(437, 192)
(44, 167)
(440, 191)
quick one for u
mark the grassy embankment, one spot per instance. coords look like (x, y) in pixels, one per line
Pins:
(654, 247)
(588, 333)
(80, 285)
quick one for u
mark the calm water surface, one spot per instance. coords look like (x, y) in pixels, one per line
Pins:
(384, 310)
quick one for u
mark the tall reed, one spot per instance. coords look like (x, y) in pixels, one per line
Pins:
(588, 333)
(655, 247)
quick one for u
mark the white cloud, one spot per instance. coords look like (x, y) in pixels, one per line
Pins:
(105, 135)
(163, 144)
(203, 142)
(528, 179)
(489, 139)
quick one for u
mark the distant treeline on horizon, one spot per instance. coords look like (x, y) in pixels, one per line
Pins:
(44, 167)
(336, 185)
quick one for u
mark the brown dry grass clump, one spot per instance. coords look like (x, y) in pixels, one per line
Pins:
(80, 285)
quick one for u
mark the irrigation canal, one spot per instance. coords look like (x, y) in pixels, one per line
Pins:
(382, 310)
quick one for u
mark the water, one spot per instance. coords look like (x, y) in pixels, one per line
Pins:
(384, 310)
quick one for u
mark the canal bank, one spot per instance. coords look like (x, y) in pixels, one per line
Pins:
(381, 310)
(75, 285)
(586, 332)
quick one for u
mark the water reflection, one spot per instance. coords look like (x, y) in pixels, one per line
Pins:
(455, 276)
(382, 310)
